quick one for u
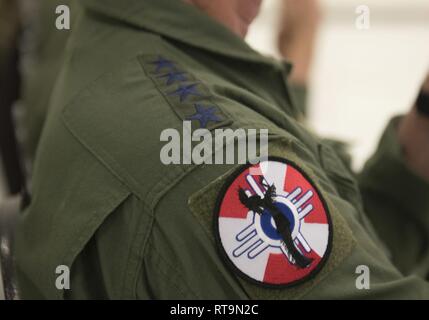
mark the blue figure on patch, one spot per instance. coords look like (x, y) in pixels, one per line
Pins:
(173, 77)
(162, 63)
(204, 115)
(184, 91)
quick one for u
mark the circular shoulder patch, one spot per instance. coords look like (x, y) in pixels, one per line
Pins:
(272, 224)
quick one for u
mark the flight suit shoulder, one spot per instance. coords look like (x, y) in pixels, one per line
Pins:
(207, 220)
(219, 215)
(122, 117)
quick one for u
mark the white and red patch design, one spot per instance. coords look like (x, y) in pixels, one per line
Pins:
(250, 241)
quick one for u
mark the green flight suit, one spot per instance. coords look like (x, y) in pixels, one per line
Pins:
(130, 227)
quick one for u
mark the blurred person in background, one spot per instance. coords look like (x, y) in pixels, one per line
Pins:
(9, 93)
(9, 159)
(43, 50)
(299, 26)
(298, 32)
(31, 50)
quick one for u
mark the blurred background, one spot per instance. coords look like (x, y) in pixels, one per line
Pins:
(360, 78)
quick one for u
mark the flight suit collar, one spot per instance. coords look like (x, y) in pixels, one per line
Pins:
(177, 20)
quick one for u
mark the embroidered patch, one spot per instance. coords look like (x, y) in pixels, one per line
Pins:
(272, 224)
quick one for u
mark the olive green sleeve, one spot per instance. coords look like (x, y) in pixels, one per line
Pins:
(181, 259)
(397, 202)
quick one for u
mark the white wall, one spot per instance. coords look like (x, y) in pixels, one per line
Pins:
(361, 78)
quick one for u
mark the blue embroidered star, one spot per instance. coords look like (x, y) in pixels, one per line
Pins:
(204, 115)
(184, 91)
(162, 63)
(173, 77)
